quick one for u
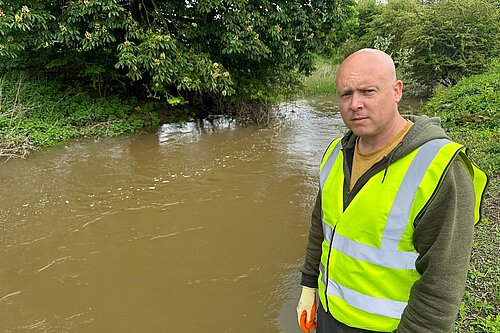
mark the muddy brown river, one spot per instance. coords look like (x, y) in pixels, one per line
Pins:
(195, 228)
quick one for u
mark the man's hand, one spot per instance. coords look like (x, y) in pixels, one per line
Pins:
(306, 309)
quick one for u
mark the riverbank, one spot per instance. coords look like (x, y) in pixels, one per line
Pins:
(37, 113)
(480, 308)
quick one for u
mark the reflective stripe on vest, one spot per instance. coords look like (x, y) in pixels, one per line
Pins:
(380, 306)
(385, 249)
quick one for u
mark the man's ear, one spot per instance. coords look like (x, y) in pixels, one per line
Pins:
(398, 90)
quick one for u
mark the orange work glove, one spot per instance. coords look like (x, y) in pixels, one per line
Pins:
(306, 309)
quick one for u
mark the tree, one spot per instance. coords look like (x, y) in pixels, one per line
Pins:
(367, 11)
(441, 41)
(454, 39)
(172, 48)
(396, 19)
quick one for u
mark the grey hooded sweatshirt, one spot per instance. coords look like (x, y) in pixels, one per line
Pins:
(442, 236)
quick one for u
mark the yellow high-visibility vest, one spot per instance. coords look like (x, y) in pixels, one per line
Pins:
(368, 259)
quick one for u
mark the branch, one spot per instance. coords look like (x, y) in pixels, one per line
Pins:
(157, 10)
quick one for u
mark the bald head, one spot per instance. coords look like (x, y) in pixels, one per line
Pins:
(372, 61)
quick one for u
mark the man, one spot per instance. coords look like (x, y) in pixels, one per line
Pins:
(391, 231)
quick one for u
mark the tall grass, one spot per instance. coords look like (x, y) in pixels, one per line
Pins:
(322, 80)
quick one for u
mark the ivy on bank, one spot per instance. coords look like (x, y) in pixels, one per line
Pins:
(36, 114)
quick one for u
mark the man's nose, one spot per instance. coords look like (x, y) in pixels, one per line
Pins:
(356, 101)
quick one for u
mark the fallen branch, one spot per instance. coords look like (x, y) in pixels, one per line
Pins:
(12, 148)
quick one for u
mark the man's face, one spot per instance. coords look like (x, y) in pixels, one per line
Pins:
(368, 97)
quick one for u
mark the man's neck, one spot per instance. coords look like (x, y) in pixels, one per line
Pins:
(370, 144)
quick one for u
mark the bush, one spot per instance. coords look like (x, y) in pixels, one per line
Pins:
(454, 39)
(474, 100)
(396, 18)
(367, 10)
(445, 40)
(470, 112)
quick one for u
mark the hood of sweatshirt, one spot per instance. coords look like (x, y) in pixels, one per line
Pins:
(423, 130)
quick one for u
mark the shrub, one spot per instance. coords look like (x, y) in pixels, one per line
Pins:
(470, 112)
(454, 39)
(473, 100)
(448, 39)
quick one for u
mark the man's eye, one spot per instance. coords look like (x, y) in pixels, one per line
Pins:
(369, 91)
(344, 95)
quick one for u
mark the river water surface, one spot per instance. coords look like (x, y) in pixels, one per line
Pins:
(195, 228)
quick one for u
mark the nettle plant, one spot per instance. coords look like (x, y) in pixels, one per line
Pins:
(174, 48)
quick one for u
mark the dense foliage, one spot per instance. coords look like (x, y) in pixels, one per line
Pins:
(438, 41)
(470, 111)
(41, 114)
(180, 50)
(455, 39)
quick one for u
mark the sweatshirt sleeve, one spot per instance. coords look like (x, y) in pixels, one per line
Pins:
(443, 239)
(310, 268)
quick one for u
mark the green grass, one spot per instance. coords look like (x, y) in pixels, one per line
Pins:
(470, 114)
(322, 80)
(480, 308)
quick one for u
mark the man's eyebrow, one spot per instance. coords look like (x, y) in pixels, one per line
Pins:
(368, 86)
